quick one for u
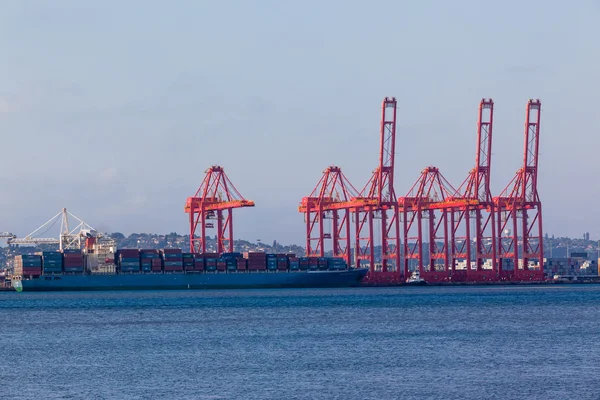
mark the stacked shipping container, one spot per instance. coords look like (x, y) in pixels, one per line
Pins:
(198, 262)
(256, 261)
(170, 260)
(128, 260)
(234, 261)
(28, 265)
(150, 260)
(188, 261)
(73, 260)
(52, 262)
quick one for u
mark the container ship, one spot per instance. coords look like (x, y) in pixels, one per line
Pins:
(100, 266)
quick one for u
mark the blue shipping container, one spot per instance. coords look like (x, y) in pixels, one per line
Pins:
(127, 265)
(74, 269)
(231, 255)
(71, 251)
(173, 264)
(172, 255)
(149, 255)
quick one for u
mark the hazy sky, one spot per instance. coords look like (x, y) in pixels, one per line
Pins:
(114, 109)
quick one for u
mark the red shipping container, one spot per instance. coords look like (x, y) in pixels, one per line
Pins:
(155, 251)
(171, 251)
(210, 255)
(32, 271)
(156, 268)
(254, 264)
(128, 251)
(250, 254)
(282, 267)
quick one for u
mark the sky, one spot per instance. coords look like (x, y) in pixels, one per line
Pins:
(115, 109)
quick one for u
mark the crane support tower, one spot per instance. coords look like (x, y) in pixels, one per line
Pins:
(381, 188)
(215, 199)
(520, 201)
(332, 199)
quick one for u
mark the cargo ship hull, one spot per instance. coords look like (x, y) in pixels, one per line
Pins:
(205, 280)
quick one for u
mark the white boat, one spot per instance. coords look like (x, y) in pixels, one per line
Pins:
(415, 279)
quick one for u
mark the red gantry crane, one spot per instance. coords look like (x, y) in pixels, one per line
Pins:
(215, 197)
(332, 199)
(478, 203)
(381, 188)
(520, 200)
(425, 211)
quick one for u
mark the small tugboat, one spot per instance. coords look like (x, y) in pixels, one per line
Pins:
(415, 279)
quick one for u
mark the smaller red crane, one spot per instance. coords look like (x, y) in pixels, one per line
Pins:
(215, 197)
(333, 198)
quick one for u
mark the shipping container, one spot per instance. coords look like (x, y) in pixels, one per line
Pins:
(71, 251)
(173, 264)
(151, 256)
(52, 254)
(210, 255)
(255, 255)
(73, 269)
(231, 255)
(171, 251)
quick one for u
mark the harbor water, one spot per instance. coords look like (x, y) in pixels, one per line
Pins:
(492, 342)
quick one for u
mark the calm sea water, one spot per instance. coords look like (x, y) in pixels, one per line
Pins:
(512, 342)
